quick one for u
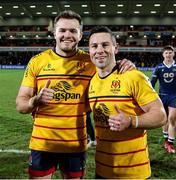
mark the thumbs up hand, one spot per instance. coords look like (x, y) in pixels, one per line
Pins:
(46, 94)
(120, 121)
(43, 97)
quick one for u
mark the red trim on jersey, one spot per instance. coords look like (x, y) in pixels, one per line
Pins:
(43, 114)
(112, 100)
(119, 140)
(74, 78)
(131, 152)
(41, 172)
(129, 166)
(47, 127)
(104, 127)
(40, 138)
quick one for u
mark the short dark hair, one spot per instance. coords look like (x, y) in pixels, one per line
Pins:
(69, 14)
(102, 29)
(168, 47)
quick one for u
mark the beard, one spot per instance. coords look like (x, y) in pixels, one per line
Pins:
(68, 48)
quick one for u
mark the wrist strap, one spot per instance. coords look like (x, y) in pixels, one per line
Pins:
(134, 121)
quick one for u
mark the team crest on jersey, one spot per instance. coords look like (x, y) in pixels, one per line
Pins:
(63, 91)
(101, 114)
(115, 86)
(49, 68)
(80, 67)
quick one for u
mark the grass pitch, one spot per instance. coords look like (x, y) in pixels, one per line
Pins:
(15, 131)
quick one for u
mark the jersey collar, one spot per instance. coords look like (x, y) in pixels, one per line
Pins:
(169, 65)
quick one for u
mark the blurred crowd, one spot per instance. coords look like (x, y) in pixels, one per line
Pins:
(141, 59)
(127, 36)
(138, 35)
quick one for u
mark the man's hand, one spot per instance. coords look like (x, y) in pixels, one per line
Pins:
(125, 65)
(119, 122)
(45, 95)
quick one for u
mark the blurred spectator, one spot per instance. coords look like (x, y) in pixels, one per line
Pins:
(45, 38)
(141, 59)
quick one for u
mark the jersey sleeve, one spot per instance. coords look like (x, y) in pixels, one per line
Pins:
(29, 78)
(142, 89)
(154, 77)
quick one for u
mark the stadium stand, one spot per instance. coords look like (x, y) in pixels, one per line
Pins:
(141, 44)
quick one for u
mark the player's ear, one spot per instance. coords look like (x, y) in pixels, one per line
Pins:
(81, 35)
(54, 33)
(163, 54)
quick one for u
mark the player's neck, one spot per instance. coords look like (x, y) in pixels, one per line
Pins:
(168, 62)
(65, 53)
(103, 72)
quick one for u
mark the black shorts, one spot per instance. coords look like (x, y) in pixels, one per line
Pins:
(168, 101)
(44, 163)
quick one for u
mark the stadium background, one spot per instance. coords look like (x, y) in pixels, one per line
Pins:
(142, 28)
